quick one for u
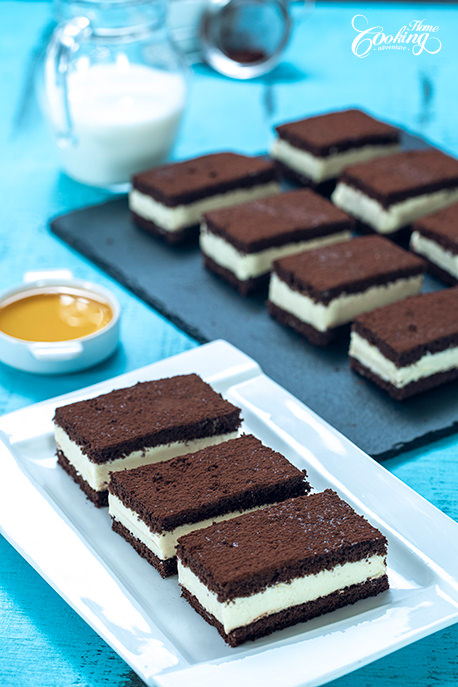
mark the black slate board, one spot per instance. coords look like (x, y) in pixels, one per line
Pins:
(172, 280)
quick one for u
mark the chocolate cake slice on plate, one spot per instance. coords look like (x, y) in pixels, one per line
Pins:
(315, 150)
(145, 423)
(154, 505)
(169, 201)
(319, 292)
(408, 347)
(240, 244)
(281, 565)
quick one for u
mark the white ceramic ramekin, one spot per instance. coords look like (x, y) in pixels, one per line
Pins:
(60, 357)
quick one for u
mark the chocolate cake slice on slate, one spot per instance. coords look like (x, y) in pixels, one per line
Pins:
(435, 238)
(388, 194)
(145, 423)
(169, 201)
(408, 347)
(319, 291)
(240, 244)
(315, 150)
(281, 565)
(154, 505)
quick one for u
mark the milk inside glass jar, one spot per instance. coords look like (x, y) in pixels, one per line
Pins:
(114, 90)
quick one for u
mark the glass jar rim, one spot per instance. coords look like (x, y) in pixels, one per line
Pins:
(111, 19)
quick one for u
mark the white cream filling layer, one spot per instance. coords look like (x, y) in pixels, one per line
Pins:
(162, 544)
(435, 253)
(248, 265)
(328, 167)
(343, 308)
(429, 364)
(97, 475)
(246, 610)
(180, 216)
(387, 220)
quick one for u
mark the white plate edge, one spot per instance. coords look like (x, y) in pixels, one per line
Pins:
(252, 371)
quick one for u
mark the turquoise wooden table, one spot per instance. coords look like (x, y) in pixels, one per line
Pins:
(43, 642)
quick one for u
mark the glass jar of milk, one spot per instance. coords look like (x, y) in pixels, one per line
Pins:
(114, 89)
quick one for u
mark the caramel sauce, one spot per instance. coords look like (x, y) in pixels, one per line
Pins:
(54, 316)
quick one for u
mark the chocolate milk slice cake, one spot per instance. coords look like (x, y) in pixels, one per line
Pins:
(319, 291)
(435, 238)
(240, 244)
(154, 505)
(145, 423)
(389, 194)
(281, 565)
(314, 151)
(170, 200)
(408, 347)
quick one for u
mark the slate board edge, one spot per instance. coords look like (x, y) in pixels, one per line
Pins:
(86, 249)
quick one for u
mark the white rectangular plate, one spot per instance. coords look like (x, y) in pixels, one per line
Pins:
(70, 543)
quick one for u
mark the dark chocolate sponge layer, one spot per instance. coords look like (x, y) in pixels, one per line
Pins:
(166, 568)
(298, 537)
(324, 188)
(347, 267)
(406, 330)
(147, 414)
(336, 132)
(440, 274)
(232, 476)
(181, 183)
(98, 498)
(401, 236)
(412, 389)
(294, 614)
(283, 218)
(244, 287)
(441, 227)
(315, 337)
(395, 178)
(180, 236)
